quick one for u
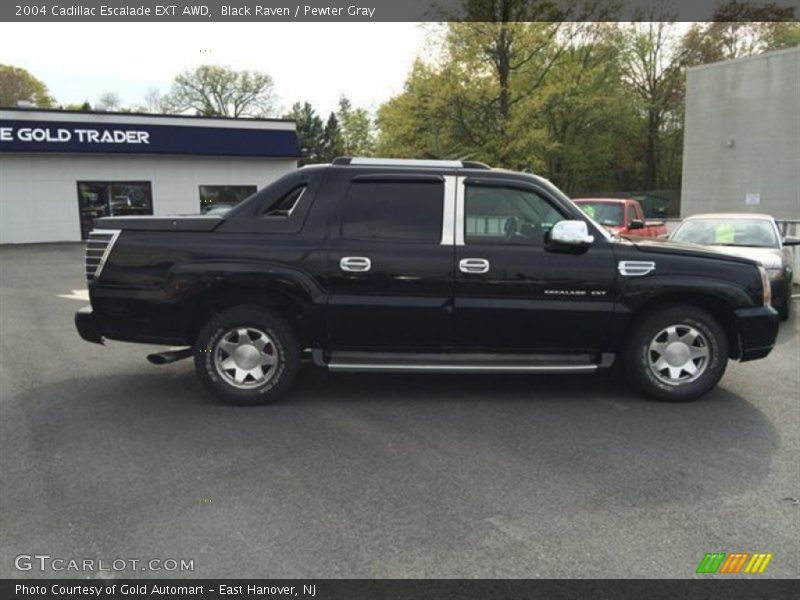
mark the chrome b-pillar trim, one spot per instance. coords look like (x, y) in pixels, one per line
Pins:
(460, 189)
(449, 208)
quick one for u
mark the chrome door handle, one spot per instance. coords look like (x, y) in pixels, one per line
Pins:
(473, 265)
(355, 264)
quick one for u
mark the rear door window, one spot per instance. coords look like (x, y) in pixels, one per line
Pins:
(396, 210)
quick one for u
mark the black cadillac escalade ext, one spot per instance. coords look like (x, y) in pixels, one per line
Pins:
(434, 266)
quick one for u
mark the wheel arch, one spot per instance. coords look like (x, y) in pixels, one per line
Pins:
(718, 307)
(301, 313)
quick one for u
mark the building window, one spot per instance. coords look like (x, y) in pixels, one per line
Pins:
(112, 199)
(221, 198)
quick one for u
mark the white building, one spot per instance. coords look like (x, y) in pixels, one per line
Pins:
(60, 170)
(742, 137)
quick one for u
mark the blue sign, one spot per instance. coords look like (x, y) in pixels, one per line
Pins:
(130, 138)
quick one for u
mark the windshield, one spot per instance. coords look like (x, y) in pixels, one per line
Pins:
(728, 232)
(605, 213)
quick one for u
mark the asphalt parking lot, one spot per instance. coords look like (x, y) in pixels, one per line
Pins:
(106, 456)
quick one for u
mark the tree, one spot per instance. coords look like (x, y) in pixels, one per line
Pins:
(653, 70)
(740, 29)
(84, 106)
(18, 85)
(416, 123)
(153, 102)
(589, 121)
(109, 102)
(332, 142)
(310, 131)
(216, 91)
(591, 105)
(356, 125)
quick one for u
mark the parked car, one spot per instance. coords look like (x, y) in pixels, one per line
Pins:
(621, 216)
(388, 265)
(752, 236)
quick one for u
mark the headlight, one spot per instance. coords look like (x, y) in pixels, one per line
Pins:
(765, 286)
(775, 273)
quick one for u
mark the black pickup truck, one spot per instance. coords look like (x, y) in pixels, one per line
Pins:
(428, 266)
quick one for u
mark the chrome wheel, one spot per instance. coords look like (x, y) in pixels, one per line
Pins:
(678, 354)
(245, 357)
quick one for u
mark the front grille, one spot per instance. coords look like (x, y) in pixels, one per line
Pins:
(98, 247)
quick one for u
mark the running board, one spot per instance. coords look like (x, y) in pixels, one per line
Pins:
(392, 362)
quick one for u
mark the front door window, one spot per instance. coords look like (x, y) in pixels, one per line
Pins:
(506, 215)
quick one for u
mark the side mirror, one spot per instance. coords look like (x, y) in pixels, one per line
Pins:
(791, 241)
(572, 233)
(636, 224)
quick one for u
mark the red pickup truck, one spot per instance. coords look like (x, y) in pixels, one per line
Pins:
(621, 216)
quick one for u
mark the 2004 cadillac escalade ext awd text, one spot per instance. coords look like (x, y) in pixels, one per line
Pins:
(434, 266)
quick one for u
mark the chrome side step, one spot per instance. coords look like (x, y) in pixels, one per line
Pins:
(460, 363)
(390, 368)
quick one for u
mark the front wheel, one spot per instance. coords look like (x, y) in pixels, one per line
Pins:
(247, 355)
(677, 353)
(783, 310)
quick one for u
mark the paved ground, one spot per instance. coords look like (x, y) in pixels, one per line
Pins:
(105, 456)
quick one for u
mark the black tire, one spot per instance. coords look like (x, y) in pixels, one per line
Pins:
(210, 356)
(688, 320)
(785, 306)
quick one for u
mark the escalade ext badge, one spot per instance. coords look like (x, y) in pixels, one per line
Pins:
(635, 268)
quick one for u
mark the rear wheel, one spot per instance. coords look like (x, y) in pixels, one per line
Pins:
(247, 355)
(677, 353)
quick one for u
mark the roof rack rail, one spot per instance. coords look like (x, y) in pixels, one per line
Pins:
(408, 162)
(474, 164)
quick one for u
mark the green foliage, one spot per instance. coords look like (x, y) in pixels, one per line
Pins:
(593, 106)
(783, 35)
(85, 106)
(347, 132)
(356, 127)
(738, 29)
(531, 96)
(332, 139)
(18, 85)
(310, 131)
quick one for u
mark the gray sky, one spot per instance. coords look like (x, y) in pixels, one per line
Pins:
(317, 62)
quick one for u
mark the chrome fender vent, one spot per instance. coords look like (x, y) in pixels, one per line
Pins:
(98, 247)
(635, 268)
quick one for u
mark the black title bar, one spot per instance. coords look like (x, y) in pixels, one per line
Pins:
(377, 10)
(405, 589)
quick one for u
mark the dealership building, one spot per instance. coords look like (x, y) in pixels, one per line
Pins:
(60, 170)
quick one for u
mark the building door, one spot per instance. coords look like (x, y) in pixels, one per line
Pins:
(112, 198)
